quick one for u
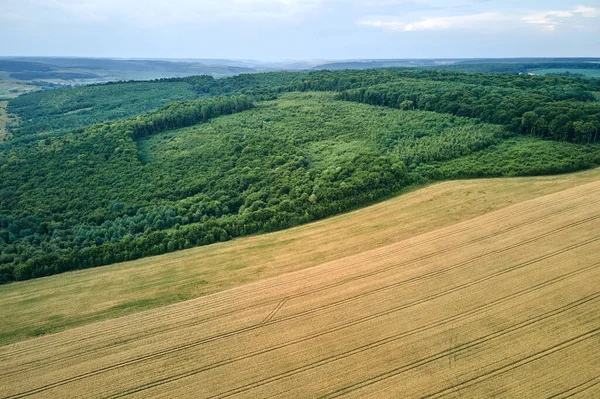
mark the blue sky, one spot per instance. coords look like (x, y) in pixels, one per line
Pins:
(300, 29)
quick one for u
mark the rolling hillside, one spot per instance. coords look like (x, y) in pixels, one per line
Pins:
(207, 170)
(55, 303)
(486, 306)
(300, 221)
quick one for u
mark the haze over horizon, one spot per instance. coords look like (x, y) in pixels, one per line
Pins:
(274, 30)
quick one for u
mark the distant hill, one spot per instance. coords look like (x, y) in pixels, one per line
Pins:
(73, 71)
(492, 65)
(526, 60)
(20, 66)
(387, 63)
(76, 71)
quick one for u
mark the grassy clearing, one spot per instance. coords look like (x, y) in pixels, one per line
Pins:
(52, 304)
(481, 308)
(4, 120)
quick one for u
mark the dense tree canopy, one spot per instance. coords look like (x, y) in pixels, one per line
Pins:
(106, 173)
(560, 114)
(59, 111)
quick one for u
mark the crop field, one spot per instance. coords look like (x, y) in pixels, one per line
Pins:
(503, 304)
(12, 88)
(52, 304)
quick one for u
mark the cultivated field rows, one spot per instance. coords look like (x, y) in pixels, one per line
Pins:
(41, 306)
(504, 304)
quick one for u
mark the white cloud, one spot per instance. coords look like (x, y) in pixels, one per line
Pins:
(587, 12)
(439, 23)
(548, 20)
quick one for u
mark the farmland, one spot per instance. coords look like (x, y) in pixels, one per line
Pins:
(467, 303)
(52, 304)
(12, 89)
(302, 234)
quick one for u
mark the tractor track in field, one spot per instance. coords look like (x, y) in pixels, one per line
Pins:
(363, 348)
(392, 373)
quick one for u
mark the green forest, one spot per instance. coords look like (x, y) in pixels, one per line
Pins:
(106, 173)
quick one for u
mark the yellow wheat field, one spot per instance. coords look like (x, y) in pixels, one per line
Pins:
(45, 305)
(502, 305)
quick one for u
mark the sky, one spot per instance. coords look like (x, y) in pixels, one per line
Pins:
(273, 30)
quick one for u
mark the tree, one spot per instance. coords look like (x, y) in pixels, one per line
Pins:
(528, 122)
(407, 105)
